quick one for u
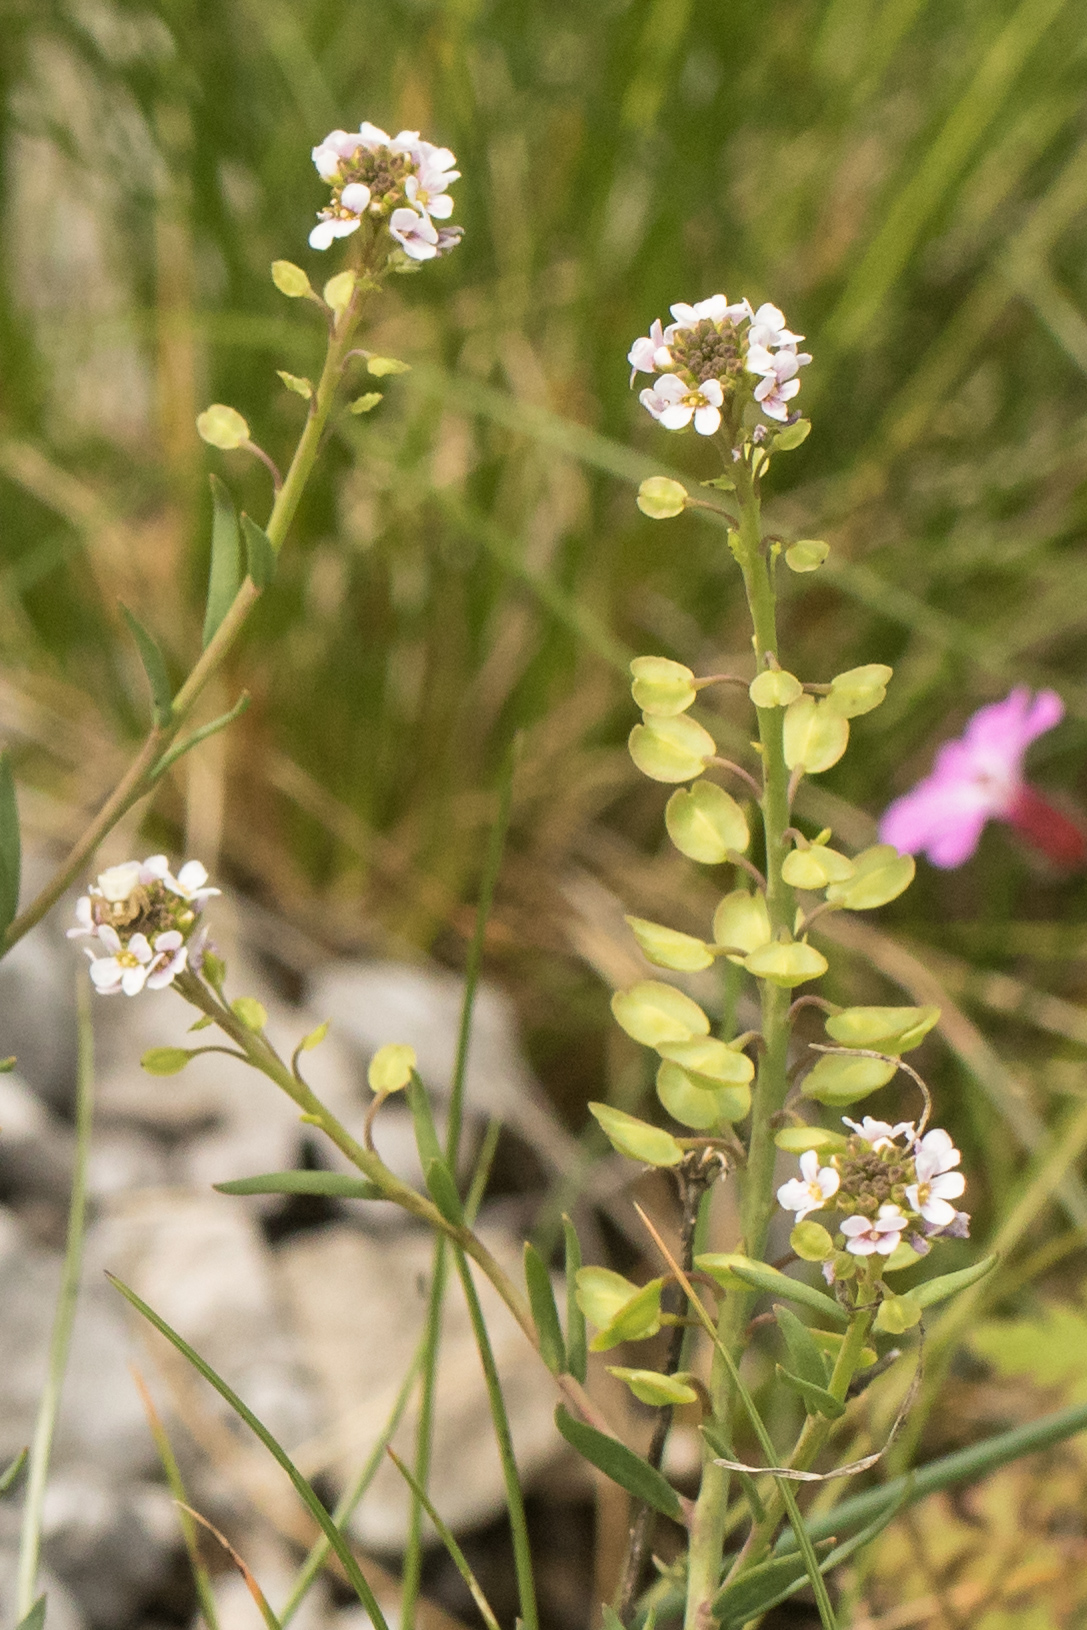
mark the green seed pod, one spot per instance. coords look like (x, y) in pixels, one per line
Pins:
(662, 687)
(222, 426)
(884, 1029)
(671, 749)
(338, 291)
(774, 688)
(815, 867)
(839, 1081)
(699, 1102)
(859, 690)
(290, 279)
(792, 436)
(797, 1140)
(711, 1059)
(165, 1060)
(742, 921)
(661, 498)
(636, 1139)
(391, 1066)
(652, 1012)
(252, 1013)
(786, 963)
(651, 1388)
(897, 1314)
(880, 874)
(815, 737)
(668, 948)
(811, 1242)
(705, 823)
(807, 555)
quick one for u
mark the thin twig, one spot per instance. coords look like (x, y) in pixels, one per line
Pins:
(737, 769)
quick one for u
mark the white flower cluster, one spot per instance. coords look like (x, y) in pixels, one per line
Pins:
(143, 917)
(712, 355)
(887, 1181)
(401, 180)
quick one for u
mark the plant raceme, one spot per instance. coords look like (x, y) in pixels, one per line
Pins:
(733, 1102)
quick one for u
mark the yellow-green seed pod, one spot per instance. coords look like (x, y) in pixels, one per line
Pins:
(838, 1081)
(366, 403)
(636, 1139)
(807, 555)
(859, 690)
(792, 436)
(601, 1294)
(290, 279)
(652, 1012)
(880, 874)
(668, 948)
(165, 1060)
(811, 1242)
(883, 1029)
(222, 426)
(815, 867)
(661, 687)
(742, 922)
(649, 1387)
(713, 1060)
(660, 498)
(671, 749)
(797, 1140)
(391, 1066)
(815, 737)
(252, 1013)
(787, 963)
(338, 291)
(774, 688)
(697, 1101)
(296, 383)
(636, 1320)
(706, 824)
(380, 366)
(897, 1314)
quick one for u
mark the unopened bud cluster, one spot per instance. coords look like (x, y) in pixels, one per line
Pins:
(145, 921)
(720, 365)
(397, 181)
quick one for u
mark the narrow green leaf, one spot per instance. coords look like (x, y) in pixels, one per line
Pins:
(761, 1277)
(753, 1592)
(426, 1136)
(610, 1618)
(938, 1290)
(460, 1561)
(544, 1312)
(621, 1464)
(187, 743)
(225, 570)
(577, 1351)
(7, 1478)
(275, 1449)
(804, 1354)
(835, 1559)
(334, 1185)
(35, 1619)
(154, 666)
(817, 1400)
(10, 846)
(443, 1190)
(260, 554)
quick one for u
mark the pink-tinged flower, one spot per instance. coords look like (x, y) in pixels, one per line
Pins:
(979, 778)
(937, 1181)
(130, 967)
(779, 384)
(867, 1236)
(674, 403)
(715, 310)
(326, 231)
(768, 328)
(416, 234)
(649, 354)
(810, 1191)
(880, 1134)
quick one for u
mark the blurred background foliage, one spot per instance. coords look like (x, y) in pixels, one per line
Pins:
(908, 180)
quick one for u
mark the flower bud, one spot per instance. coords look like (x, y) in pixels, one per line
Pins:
(662, 687)
(223, 427)
(660, 498)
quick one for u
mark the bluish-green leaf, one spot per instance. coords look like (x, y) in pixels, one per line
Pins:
(544, 1312)
(753, 1592)
(426, 1136)
(154, 666)
(621, 1464)
(333, 1185)
(934, 1291)
(225, 570)
(760, 1276)
(10, 846)
(260, 554)
(577, 1351)
(805, 1356)
(817, 1400)
(443, 1191)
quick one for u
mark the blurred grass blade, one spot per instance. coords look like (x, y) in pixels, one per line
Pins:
(67, 1296)
(621, 1464)
(7, 1478)
(443, 1191)
(275, 1449)
(35, 1619)
(154, 666)
(201, 1579)
(225, 569)
(336, 1185)
(246, 1572)
(212, 728)
(460, 1561)
(11, 861)
(577, 1349)
(544, 1312)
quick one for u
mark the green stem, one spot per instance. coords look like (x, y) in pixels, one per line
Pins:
(141, 775)
(771, 1084)
(41, 1448)
(412, 1573)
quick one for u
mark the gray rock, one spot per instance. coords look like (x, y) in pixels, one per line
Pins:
(109, 1545)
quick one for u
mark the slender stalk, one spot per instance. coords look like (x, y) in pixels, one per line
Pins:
(205, 1595)
(412, 1573)
(771, 1084)
(140, 777)
(41, 1447)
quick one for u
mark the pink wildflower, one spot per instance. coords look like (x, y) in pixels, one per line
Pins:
(979, 778)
